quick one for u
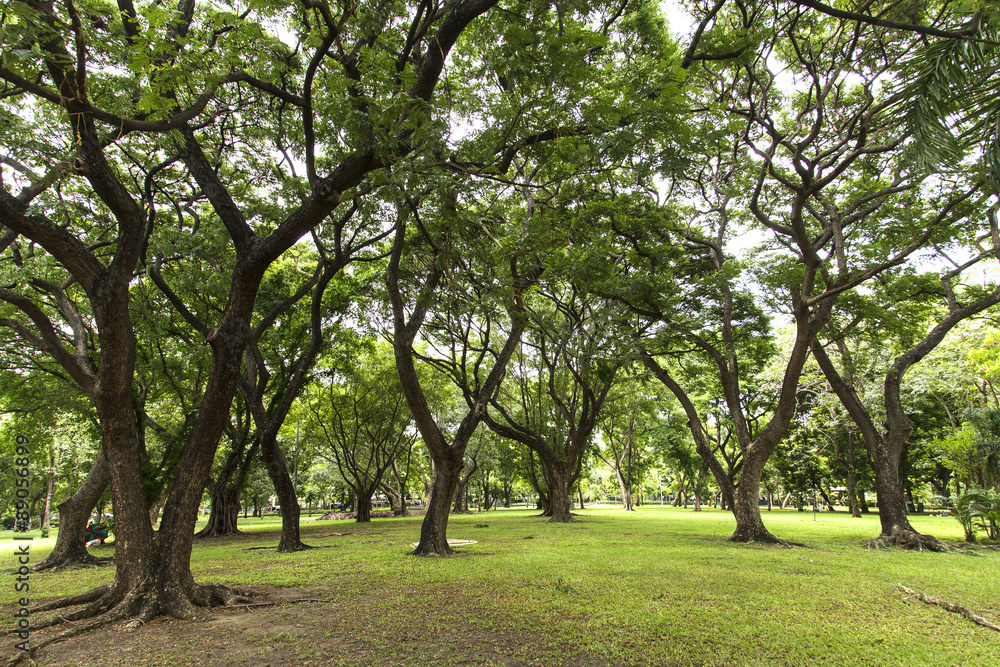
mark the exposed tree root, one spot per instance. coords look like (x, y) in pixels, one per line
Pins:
(763, 537)
(73, 563)
(956, 608)
(224, 596)
(292, 548)
(202, 535)
(138, 605)
(275, 603)
(62, 603)
(28, 655)
(908, 539)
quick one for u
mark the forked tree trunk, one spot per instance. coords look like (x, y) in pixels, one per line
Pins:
(74, 514)
(626, 492)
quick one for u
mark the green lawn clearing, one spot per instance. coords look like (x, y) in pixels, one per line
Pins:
(659, 586)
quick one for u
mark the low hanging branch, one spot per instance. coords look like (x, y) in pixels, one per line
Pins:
(957, 608)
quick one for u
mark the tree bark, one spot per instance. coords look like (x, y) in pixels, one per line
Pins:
(852, 476)
(277, 470)
(364, 513)
(560, 487)
(746, 505)
(224, 514)
(74, 514)
(434, 528)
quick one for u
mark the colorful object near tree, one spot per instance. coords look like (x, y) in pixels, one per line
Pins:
(93, 532)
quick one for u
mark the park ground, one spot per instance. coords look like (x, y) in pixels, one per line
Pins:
(660, 586)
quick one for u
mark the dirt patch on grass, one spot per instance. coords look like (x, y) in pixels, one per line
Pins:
(286, 627)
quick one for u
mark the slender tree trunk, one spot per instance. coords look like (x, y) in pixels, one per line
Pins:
(277, 470)
(826, 499)
(625, 491)
(852, 476)
(702, 472)
(49, 489)
(863, 502)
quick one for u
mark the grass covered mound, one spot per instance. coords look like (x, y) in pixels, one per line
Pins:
(660, 586)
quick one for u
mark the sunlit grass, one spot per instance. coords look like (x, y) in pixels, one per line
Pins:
(657, 586)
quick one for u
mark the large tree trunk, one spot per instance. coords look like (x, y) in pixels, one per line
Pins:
(434, 528)
(746, 505)
(560, 487)
(364, 514)
(74, 514)
(896, 528)
(224, 513)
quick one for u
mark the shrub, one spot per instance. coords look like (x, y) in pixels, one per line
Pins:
(978, 510)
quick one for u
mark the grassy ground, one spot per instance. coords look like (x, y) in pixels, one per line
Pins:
(660, 586)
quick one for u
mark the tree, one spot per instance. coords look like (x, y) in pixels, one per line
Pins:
(563, 372)
(625, 426)
(149, 94)
(448, 455)
(887, 446)
(365, 423)
(822, 193)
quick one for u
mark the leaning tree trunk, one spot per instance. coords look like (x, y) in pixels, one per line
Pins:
(896, 528)
(74, 513)
(277, 469)
(626, 492)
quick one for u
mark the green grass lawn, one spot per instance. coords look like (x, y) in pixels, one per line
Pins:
(659, 586)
